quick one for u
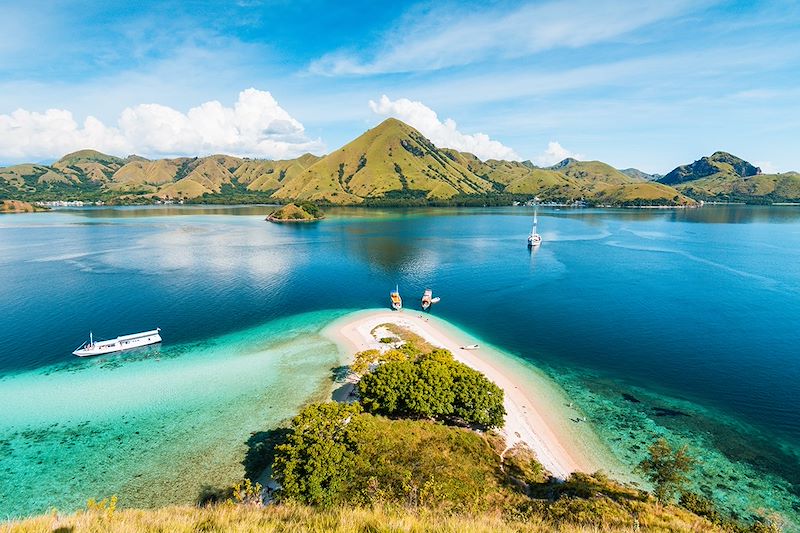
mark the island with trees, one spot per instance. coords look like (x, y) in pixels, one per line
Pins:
(299, 212)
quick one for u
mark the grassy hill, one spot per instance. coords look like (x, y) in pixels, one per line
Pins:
(390, 164)
(305, 212)
(298, 518)
(16, 206)
(725, 177)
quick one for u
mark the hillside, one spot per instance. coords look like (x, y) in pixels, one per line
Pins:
(390, 164)
(344, 519)
(727, 178)
(16, 206)
(640, 174)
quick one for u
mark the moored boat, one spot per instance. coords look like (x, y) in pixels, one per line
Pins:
(470, 347)
(427, 298)
(124, 342)
(397, 302)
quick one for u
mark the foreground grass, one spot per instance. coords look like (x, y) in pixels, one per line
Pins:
(293, 518)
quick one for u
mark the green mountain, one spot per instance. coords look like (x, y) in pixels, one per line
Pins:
(391, 163)
(718, 163)
(727, 178)
(640, 174)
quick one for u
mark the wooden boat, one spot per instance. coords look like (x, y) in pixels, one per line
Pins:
(427, 299)
(394, 296)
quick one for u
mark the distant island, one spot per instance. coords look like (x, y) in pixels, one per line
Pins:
(291, 213)
(391, 164)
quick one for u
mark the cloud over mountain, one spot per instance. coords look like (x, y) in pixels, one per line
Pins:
(444, 134)
(255, 126)
(554, 154)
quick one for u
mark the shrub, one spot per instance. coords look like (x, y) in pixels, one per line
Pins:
(666, 469)
(315, 464)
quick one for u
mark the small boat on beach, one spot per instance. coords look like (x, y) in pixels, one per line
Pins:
(534, 239)
(394, 296)
(125, 342)
(470, 347)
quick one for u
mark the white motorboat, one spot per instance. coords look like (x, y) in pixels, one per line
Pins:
(125, 342)
(470, 347)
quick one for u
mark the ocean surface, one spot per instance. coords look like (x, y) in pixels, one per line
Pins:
(681, 323)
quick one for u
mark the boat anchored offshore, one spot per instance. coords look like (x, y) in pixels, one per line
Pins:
(428, 299)
(397, 302)
(125, 342)
(534, 239)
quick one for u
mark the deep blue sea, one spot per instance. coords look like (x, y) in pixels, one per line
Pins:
(681, 323)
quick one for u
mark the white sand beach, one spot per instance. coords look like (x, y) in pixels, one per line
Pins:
(530, 416)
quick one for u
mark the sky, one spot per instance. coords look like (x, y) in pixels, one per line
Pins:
(650, 85)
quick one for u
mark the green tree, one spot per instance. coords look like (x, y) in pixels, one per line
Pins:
(385, 389)
(433, 386)
(314, 465)
(477, 399)
(431, 392)
(666, 469)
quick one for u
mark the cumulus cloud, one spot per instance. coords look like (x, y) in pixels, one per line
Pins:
(554, 153)
(444, 134)
(256, 126)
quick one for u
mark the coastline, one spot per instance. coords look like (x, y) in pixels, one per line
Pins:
(538, 413)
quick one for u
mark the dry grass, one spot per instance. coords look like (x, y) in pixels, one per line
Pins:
(406, 335)
(291, 518)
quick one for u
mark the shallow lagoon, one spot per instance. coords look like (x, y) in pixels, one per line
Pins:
(680, 323)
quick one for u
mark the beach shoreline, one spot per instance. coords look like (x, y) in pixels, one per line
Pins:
(540, 418)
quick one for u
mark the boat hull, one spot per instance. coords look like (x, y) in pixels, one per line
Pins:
(120, 344)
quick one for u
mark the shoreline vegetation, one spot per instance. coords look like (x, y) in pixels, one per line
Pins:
(425, 436)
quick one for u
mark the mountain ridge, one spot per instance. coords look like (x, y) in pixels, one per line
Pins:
(389, 164)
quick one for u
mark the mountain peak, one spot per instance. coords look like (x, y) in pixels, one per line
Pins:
(564, 163)
(722, 163)
(90, 155)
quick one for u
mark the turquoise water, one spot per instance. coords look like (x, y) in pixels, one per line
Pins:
(677, 323)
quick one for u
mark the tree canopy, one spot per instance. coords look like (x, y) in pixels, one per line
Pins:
(433, 385)
(666, 469)
(315, 463)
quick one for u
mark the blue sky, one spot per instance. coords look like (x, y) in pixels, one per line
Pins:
(632, 84)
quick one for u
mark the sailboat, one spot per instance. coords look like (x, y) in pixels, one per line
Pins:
(534, 239)
(397, 302)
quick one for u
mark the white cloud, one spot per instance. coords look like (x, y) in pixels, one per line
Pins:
(446, 37)
(255, 126)
(443, 134)
(555, 153)
(767, 167)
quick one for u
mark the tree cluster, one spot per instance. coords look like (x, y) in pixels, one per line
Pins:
(432, 385)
